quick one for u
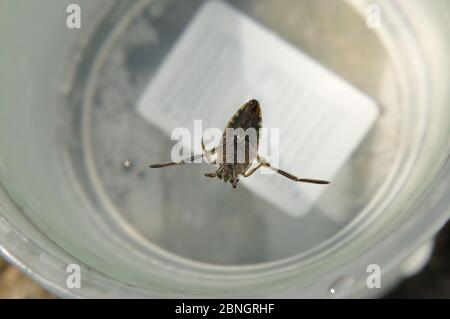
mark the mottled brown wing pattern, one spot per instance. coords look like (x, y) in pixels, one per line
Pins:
(248, 116)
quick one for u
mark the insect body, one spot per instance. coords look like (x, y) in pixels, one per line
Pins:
(238, 149)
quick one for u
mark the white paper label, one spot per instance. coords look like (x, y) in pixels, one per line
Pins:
(223, 59)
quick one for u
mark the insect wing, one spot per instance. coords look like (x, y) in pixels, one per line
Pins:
(237, 149)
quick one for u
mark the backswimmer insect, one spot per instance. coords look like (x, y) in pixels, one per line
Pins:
(241, 149)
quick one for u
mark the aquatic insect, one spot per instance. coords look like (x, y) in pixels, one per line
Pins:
(241, 147)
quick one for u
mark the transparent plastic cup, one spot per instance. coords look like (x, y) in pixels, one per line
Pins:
(68, 121)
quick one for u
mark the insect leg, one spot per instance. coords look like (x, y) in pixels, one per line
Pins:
(288, 175)
(208, 153)
(189, 160)
(250, 172)
(210, 174)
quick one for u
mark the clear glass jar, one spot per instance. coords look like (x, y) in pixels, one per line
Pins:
(68, 121)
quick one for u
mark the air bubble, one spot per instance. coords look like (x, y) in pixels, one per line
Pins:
(126, 164)
(341, 284)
